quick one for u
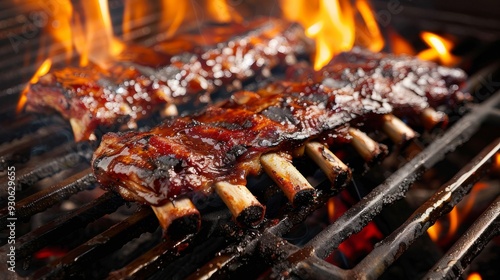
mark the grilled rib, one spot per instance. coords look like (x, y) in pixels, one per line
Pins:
(141, 81)
(225, 142)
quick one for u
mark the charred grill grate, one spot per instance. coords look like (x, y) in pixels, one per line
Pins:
(51, 170)
(233, 253)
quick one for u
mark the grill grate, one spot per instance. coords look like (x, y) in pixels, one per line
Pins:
(307, 262)
(44, 151)
(234, 247)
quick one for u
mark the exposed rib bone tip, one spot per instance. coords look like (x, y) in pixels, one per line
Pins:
(246, 209)
(178, 218)
(432, 119)
(397, 130)
(295, 187)
(369, 149)
(337, 172)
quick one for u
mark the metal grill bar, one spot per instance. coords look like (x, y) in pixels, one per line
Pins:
(60, 159)
(299, 260)
(52, 195)
(396, 185)
(44, 139)
(101, 245)
(453, 264)
(393, 246)
(38, 238)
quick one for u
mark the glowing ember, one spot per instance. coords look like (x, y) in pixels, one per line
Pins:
(439, 49)
(47, 253)
(474, 276)
(42, 70)
(357, 245)
(331, 209)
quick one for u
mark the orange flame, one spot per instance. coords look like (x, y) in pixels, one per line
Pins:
(439, 49)
(372, 39)
(93, 37)
(442, 234)
(175, 13)
(136, 13)
(221, 11)
(334, 26)
(398, 44)
(85, 28)
(42, 70)
(329, 23)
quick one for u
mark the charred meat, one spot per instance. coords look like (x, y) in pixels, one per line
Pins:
(142, 81)
(225, 142)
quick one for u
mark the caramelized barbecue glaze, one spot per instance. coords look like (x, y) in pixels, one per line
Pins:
(225, 142)
(141, 80)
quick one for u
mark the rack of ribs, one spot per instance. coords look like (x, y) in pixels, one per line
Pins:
(252, 131)
(142, 81)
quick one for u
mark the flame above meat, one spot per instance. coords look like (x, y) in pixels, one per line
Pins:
(439, 49)
(42, 70)
(336, 26)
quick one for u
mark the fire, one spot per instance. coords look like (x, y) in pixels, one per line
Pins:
(175, 14)
(134, 14)
(334, 27)
(398, 44)
(93, 37)
(42, 70)
(372, 37)
(85, 28)
(443, 234)
(221, 11)
(439, 49)
(359, 244)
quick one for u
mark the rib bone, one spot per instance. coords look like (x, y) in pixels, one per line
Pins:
(246, 209)
(178, 218)
(432, 118)
(370, 150)
(397, 130)
(296, 188)
(337, 172)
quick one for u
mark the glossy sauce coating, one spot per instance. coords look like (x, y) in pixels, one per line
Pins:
(225, 142)
(143, 80)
